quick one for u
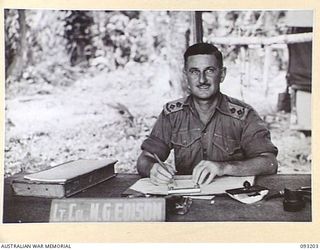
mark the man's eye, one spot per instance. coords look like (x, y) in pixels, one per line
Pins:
(195, 72)
(210, 71)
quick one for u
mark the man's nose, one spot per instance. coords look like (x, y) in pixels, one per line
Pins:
(203, 77)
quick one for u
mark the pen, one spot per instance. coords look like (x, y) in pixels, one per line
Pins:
(165, 167)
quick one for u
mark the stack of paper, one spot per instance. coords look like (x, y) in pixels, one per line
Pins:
(218, 186)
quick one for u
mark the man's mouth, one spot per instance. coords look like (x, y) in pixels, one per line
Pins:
(204, 86)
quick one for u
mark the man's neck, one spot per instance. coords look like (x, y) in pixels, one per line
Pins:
(205, 106)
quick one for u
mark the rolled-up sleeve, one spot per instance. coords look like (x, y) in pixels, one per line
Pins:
(256, 138)
(159, 141)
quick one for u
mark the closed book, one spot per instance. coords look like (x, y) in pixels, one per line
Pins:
(64, 180)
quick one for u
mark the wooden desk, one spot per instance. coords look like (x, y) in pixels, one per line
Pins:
(32, 209)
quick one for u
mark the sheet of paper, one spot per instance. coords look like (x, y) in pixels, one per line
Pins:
(218, 186)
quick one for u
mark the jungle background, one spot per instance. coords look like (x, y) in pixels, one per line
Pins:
(90, 84)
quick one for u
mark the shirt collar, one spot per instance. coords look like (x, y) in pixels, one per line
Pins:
(222, 105)
(187, 101)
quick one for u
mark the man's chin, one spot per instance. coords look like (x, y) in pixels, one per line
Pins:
(205, 97)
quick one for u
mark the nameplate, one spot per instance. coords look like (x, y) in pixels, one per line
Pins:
(107, 210)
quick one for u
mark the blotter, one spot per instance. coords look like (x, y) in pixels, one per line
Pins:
(64, 180)
(218, 186)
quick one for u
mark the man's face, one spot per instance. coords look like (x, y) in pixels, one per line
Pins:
(204, 74)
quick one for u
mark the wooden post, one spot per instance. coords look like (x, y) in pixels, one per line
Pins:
(247, 66)
(266, 66)
(281, 39)
(242, 70)
(197, 30)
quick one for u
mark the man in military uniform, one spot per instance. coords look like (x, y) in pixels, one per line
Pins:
(211, 133)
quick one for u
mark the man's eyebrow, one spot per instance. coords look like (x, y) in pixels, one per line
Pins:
(209, 67)
(194, 68)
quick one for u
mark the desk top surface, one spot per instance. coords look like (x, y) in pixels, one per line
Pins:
(34, 209)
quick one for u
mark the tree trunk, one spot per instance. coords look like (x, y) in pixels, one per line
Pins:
(15, 69)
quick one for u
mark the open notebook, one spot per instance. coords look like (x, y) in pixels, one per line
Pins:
(218, 186)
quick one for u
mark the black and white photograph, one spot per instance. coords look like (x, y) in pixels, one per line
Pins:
(157, 115)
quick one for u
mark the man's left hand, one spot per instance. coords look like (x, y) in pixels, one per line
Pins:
(206, 171)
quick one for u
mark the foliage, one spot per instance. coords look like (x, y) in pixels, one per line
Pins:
(242, 23)
(78, 35)
(100, 40)
(45, 48)
(111, 39)
(106, 75)
(121, 37)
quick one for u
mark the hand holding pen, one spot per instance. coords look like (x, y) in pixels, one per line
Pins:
(161, 172)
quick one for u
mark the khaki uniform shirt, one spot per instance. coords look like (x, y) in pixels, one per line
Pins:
(234, 132)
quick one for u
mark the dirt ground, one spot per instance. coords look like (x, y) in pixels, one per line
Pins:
(108, 115)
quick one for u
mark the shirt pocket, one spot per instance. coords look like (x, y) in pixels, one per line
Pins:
(185, 144)
(227, 148)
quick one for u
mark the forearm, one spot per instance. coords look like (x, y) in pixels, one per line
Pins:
(144, 165)
(261, 165)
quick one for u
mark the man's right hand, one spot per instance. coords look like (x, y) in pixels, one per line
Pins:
(159, 175)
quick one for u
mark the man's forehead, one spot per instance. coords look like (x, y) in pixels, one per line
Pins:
(203, 60)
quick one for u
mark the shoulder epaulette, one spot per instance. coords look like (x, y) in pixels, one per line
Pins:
(173, 106)
(238, 111)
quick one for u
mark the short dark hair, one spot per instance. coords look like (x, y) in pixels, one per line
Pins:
(203, 49)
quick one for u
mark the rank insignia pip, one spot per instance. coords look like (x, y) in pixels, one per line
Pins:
(173, 106)
(237, 111)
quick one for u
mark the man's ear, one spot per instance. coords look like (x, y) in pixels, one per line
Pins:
(223, 74)
(184, 71)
